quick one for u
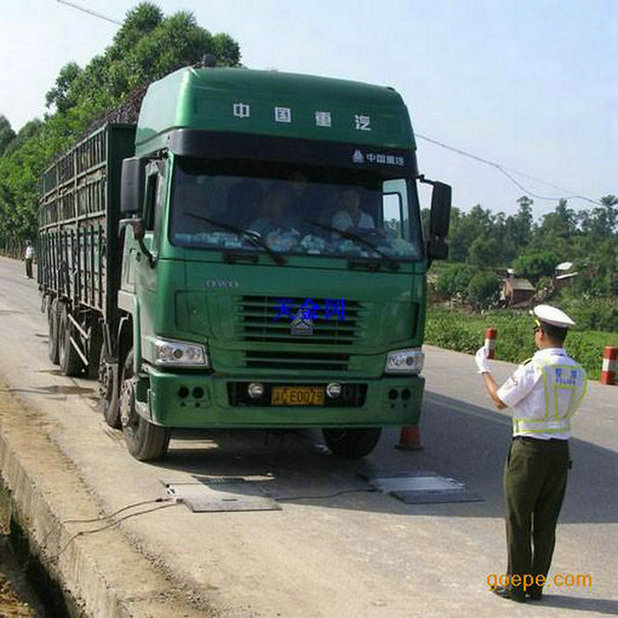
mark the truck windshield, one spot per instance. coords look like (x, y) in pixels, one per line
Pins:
(297, 211)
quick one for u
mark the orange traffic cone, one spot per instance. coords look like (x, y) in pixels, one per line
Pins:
(410, 439)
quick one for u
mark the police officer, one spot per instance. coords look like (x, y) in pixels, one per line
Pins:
(543, 394)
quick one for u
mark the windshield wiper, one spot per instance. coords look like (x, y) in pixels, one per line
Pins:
(393, 264)
(251, 236)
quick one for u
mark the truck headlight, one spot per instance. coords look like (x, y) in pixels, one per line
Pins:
(405, 361)
(174, 353)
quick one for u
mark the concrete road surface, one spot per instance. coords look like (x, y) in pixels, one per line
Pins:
(334, 549)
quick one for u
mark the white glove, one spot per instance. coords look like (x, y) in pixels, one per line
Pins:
(480, 359)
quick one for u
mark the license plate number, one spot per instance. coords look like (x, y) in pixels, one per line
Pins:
(297, 396)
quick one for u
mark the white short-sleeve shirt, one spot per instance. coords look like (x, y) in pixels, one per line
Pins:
(524, 393)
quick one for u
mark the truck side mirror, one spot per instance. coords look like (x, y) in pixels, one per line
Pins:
(439, 221)
(440, 216)
(132, 185)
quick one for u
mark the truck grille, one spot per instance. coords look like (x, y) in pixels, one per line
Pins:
(259, 322)
(298, 361)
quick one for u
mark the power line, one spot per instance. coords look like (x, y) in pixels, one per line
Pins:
(90, 12)
(505, 170)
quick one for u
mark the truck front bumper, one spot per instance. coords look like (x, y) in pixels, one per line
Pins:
(203, 401)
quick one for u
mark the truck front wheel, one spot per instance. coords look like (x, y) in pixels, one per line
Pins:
(351, 443)
(108, 392)
(144, 440)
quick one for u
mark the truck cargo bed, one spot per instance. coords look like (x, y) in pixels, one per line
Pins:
(79, 256)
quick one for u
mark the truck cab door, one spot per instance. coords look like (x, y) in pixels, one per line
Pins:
(141, 245)
(142, 235)
(143, 256)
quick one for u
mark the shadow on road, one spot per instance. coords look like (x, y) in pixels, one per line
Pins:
(573, 603)
(472, 442)
(55, 391)
(462, 441)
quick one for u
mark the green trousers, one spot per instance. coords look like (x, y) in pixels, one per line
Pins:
(535, 479)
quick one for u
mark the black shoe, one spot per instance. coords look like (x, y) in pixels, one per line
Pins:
(534, 592)
(506, 592)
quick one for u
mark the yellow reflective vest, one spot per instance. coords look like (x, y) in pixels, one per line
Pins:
(564, 386)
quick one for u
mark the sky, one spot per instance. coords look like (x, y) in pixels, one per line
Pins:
(530, 86)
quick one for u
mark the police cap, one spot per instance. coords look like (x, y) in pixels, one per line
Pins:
(552, 315)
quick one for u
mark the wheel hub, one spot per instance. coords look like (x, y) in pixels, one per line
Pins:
(105, 380)
(128, 415)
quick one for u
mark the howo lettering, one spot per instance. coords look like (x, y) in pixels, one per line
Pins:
(166, 249)
(218, 283)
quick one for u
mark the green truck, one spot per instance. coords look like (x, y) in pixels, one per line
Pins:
(248, 255)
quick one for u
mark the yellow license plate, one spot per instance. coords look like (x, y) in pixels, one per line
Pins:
(297, 396)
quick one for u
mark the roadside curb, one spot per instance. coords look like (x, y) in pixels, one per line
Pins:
(98, 575)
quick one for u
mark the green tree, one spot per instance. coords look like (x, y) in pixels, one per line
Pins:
(597, 270)
(466, 228)
(557, 233)
(483, 289)
(59, 97)
(602, 221)
(140, 22)
(485, 251)
(517, 230)
(226, 49)
(523, 220)
(7, 135)
(535, 264)
(28, 131)
(596, 259)
(454, 279)
(147, 46)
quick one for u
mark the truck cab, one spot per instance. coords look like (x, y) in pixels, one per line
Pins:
(273, 265)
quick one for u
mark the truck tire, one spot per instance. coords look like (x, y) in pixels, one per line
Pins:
(70, 361)
(108, 392)
(52, 341)
(144, 440)
(351, 443)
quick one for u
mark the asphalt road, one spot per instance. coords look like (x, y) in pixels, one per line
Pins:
(329, 551)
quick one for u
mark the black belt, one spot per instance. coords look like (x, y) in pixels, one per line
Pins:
(539, 440)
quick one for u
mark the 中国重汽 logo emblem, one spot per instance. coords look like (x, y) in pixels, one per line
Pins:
(358, 157)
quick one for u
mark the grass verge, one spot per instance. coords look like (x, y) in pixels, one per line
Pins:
(463, 331)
